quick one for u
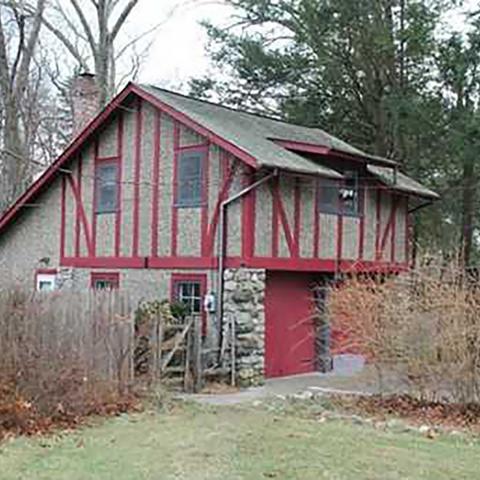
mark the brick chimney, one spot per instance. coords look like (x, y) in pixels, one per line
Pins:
(85, 101)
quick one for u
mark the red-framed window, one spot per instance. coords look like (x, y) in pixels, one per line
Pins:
(191, 164)
(190, 290)
(107, 185)
(104, 280)
(341, 196)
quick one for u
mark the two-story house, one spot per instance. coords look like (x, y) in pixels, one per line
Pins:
(168, 196)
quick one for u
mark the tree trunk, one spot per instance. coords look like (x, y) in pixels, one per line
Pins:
(15, 161)
(468, 201)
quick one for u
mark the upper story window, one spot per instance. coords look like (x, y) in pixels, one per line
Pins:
(106, 193)
(350, 194)
(189, 177)
(340, 196)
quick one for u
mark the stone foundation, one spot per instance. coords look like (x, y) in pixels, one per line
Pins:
(244, 295)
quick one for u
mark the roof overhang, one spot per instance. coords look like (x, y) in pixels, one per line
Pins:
(325, 150)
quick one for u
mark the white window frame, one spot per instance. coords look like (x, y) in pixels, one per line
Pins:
(46, 278)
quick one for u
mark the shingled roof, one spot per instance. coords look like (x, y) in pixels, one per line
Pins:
(254, 136)
(257, 135)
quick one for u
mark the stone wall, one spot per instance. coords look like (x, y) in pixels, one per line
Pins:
(244, 295)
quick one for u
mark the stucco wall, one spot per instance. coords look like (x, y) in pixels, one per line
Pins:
(33, 236)
(36, 233)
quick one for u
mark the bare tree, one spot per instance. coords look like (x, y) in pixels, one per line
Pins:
(19, 35)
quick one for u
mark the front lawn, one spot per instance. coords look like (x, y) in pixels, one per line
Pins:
(197, 443)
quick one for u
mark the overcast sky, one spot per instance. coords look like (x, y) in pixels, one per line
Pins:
(178, 51)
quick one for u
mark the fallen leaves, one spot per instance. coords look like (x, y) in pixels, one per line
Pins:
(21, 416)
(417, 411)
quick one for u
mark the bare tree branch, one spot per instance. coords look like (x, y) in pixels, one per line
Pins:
(122, 18)
(85, 25)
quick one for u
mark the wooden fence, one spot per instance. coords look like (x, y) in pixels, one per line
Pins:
(93, 336)
(176, 348)
(89, 333)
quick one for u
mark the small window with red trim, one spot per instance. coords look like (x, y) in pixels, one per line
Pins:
(190, 290)
(190, 177)
(340, 197)
(189, 293)
(105, 280)
(106, 187)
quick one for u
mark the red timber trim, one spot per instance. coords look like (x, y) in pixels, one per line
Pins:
(394, 227)
(361, 223)
(408, 233)
(117, 160)
(275, 240)
(68, 153)
(77, 207)
(316, 220)
(279, 216)
(303, 146)
(188, 263)
(389, 228)
(204, 211)
(297, 216)
(62, 217)
(90, 129)
(378, 224)
(156, 180)
(316, 265)
(339, 237)
(103, 262)
(339, 234)
(174, 225)
(196, 127)
(118, 218)
(228, 169)
(201, 278)
(82, 215)
(325, 150)
(136, 177)
(248, 217)
(93, 246)
(204, 147)
(112, 277)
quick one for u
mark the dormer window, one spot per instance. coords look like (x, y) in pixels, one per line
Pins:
(349, 194)
(340, 196)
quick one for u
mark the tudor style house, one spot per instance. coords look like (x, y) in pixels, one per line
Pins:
(233, 213)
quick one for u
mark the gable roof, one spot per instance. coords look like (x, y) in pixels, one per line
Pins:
(249, 132)
(257, 133)
(251, 137)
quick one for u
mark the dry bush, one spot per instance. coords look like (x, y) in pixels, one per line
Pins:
(423, 325)
(63, 356)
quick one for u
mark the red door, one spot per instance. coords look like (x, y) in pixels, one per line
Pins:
(289, 327)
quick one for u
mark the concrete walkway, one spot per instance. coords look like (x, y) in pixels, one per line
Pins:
(364, 382)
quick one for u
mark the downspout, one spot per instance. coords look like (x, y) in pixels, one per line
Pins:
(221, 248)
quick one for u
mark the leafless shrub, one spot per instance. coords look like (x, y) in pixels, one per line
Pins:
(423, 325)
(63, 355)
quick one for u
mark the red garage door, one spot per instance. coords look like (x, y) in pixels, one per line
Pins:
(289, 329)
